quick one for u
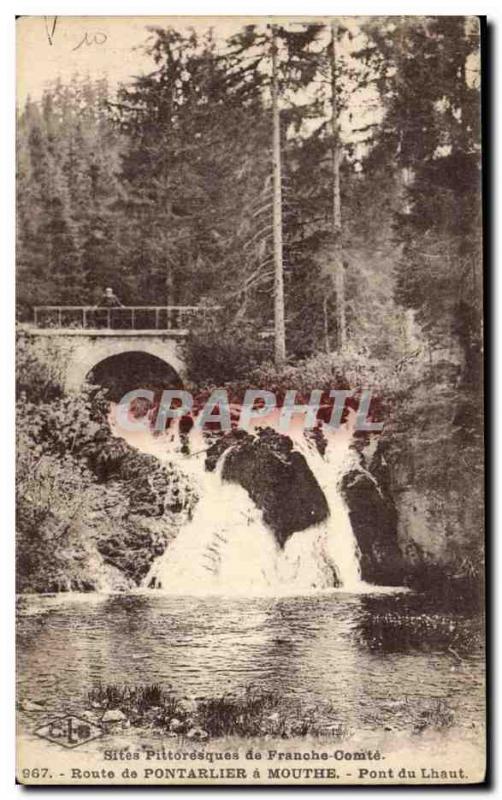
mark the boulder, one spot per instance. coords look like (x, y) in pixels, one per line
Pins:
(374, 521)
(187, 705)
(30, 705)
(276, 477)
(197, 734)
(113, 715)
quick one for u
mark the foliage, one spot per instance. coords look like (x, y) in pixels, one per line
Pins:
(191, 221)
(36, 381)
(431, 130)
(54, 498)
(164, 191)
(216, 355)
(67, 155)
(87, 504)
(53, 488)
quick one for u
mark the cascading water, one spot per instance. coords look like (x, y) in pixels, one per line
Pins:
(226, 548)
(338, 543)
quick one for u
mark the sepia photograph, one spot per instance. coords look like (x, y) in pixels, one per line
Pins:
(250, 524)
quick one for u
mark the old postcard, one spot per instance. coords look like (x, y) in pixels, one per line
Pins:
(250, 496)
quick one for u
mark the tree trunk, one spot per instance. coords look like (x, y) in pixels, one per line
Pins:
(325, 319)
(279, 321)
(169, 284)
(341, 331)
(169, 276)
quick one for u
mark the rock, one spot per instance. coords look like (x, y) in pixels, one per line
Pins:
(374, 522)
(31, 705)
(113, 715)
(187, 705)
(197, 734)
(276, 477)
(133, 548)
(176, 725)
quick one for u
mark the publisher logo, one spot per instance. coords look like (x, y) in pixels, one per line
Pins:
(69, 731)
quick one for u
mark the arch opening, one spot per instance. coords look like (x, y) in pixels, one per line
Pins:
(135, 369)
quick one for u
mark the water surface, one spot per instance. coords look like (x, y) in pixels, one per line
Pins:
(324, 650)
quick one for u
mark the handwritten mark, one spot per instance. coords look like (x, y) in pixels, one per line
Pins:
(50, 28)
(97, 38)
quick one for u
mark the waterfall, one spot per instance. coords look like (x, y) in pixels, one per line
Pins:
(339, 546)
(226, 547)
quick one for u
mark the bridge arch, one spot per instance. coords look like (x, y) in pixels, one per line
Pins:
(139, 358)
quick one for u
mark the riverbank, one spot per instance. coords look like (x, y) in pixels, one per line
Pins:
(367, 757)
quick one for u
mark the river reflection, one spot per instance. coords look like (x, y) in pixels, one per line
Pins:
(322, 649)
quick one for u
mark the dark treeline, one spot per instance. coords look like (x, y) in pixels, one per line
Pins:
(163, 189)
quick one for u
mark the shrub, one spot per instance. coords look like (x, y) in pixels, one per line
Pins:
(36, 380)
(220, 355)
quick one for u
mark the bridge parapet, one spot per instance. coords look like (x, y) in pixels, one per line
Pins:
(176, 319)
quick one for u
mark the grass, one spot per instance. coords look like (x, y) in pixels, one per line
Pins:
(243, 715)
(251, 714)
(438, 716)
(141, 704)
(254, 712)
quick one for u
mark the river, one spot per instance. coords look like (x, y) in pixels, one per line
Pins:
(356, 658)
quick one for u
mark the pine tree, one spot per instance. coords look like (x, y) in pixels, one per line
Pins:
(198, 119)
(66, 155)
(426, 75)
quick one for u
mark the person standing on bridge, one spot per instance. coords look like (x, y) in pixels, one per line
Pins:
(109, 300)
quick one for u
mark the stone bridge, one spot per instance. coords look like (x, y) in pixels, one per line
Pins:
(86, 343)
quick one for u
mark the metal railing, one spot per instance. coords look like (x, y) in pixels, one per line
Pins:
(173, 318)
